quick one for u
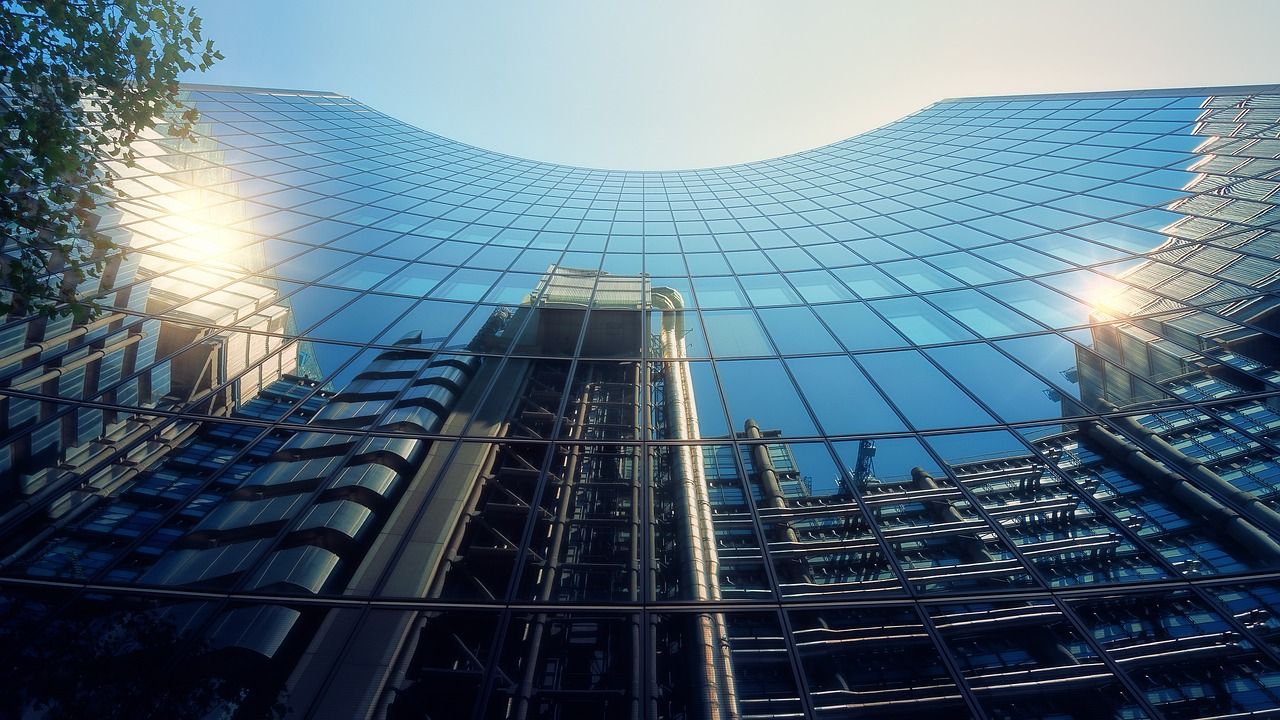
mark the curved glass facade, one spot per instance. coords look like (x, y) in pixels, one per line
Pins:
(974, 415)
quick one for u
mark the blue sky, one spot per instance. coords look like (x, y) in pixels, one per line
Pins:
(667, 85)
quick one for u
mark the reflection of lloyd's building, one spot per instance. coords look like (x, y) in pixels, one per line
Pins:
(1203, 293)
(316, 514)
(1189, 491)
(800, 444)
(1193, 323)
(220, 343)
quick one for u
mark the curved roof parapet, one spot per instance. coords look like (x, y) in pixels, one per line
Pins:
(378, 479)
(208, 87)
(1158, 92)
(305, 567)
(1041, 97)
(185, 567)
(260, 628)
(344, 516)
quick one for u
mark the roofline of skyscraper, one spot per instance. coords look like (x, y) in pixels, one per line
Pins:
(203, 87)
(1157, 92)
(1187, 91)
(1151, 92)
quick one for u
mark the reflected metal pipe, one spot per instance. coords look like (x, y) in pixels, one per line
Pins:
(944, 511)
(66, 337)
(797, 569)
(54, 373)
(682, 424)
(1255, 509)
(1252, 538)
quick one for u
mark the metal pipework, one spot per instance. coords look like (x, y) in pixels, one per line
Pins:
(795, 569)
(1200, 474)
(944, 512)
(697, 531)
(66, 337)
(1249, 535)
(57, 372)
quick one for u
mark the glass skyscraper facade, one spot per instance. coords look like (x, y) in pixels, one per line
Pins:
(974, 415)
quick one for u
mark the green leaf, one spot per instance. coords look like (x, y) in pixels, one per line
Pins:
(126, 54)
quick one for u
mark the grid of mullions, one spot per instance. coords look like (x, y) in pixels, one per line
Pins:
(933, 286)
(1190, 653)
(889, 296)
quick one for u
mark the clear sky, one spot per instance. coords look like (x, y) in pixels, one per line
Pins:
(666, 85)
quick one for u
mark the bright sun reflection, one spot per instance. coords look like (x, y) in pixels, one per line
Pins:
(213, 243)
(1102, 293)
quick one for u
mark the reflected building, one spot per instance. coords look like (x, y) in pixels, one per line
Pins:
(1193, 316)
(973, 415)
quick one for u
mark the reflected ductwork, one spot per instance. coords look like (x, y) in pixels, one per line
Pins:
(697, 531)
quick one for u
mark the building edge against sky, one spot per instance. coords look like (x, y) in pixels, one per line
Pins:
(974, 414)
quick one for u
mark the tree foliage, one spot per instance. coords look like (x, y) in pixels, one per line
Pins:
(80, 80)
(128, 665)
